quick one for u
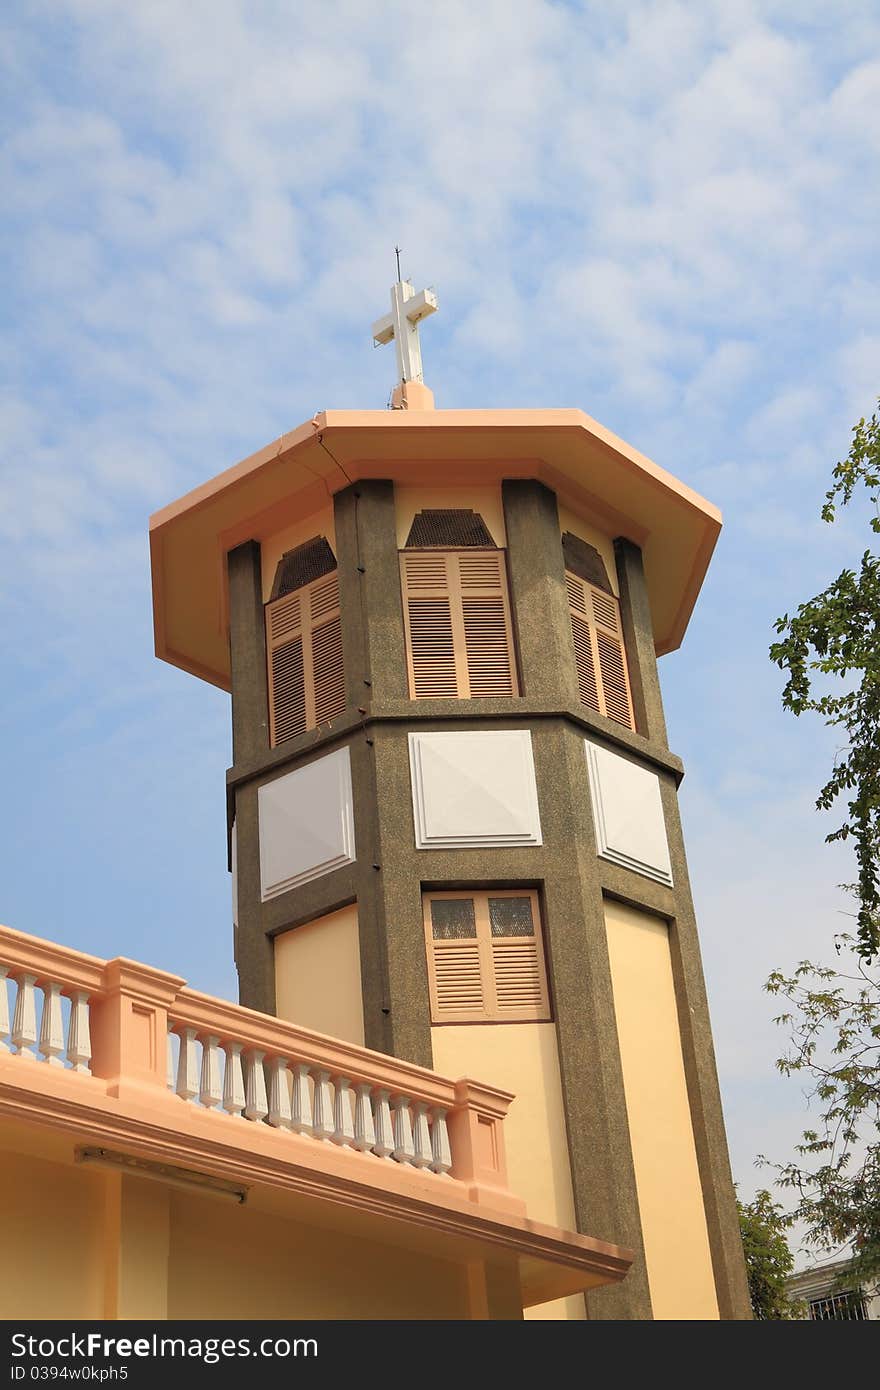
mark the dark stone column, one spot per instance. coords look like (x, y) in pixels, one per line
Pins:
(393, 968)
(600, 1151)
(537, 593)
(693, 1010)
(247, 651)
(254, 955)
(704, 1093)
(254, 950)
(372, 616)
(397, 903)
(638, 635)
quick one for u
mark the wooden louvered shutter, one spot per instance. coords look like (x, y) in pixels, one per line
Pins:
(485, 958)
(520, 980)
(304, 647)
(427, 618)
(459, 638)
(455, 970)
(600, 656)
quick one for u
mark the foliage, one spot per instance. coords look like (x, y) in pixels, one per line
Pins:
(837, 634)
(833, 1020)
(768, 1258)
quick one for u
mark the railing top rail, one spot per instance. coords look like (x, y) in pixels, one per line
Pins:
(234, 1023)
(47, 960)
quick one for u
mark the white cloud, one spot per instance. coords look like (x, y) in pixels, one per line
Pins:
(663, 212)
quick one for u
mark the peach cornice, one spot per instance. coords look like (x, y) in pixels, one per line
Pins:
(617, 487)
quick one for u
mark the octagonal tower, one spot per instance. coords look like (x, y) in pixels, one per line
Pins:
(454, 828)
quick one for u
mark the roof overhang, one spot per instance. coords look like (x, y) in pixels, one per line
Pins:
(620, 490)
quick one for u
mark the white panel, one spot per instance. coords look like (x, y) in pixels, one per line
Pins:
(471, 789)
(630, 829)
(306, 824)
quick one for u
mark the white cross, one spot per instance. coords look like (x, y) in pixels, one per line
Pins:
(402, 324)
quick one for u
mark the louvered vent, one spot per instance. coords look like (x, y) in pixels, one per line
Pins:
(485, 958)
(585, 561)
(301, 566)
(304, 642)
(457, 618)
(453, 528)
(600, 657)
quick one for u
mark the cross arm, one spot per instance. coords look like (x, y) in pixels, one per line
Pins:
(383, 329)
(420, 306)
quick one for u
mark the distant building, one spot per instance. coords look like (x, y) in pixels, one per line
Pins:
(826, 1298)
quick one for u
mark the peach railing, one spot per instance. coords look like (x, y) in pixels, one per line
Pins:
(134, 1027)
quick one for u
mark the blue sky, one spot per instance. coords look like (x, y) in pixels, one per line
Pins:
(665, 214)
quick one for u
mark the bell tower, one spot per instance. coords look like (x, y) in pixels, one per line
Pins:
(453, 819)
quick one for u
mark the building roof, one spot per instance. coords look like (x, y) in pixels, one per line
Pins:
(620, 490)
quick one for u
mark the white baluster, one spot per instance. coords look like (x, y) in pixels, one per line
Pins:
(322, 1126)
(169, 1060)
(384, 1145)
(52, 1024)
(364, 1129)
(279, 1094)
(301, 1101)
(233, 1080)
(4, 1010)
(343, 1114)
(421, 1136)
(187, 1065)
(79, 1039)
(24, 1020)
(257, 1107)
(403, 1151)
(441, 1154)
(210, 1089)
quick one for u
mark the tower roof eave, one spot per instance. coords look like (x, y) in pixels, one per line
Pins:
(621, 490)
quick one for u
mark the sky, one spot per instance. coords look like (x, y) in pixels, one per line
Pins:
(662, 213)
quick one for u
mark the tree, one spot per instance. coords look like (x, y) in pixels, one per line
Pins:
(768, 1258)
(837, 634)
(834, 1023)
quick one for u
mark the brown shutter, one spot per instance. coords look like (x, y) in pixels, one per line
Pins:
(306, 677)
(485, 609)
(487, 976)
(427, 617)
(517, 956)
(599, 652)
(459, 638)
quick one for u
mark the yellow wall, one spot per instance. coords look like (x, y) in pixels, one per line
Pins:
(51, 1238)
(523, 1058)
(668, 1181)
(86, 1243)
(318, 976)
(485, 500)
(237, 1262)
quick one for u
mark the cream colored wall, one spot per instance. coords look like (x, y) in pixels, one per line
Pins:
(570, 521)
(52, 1237)
(237, 1262)
(87, 1243)
(273, 547)
(667, 1178)
(318, 976)
(136, 1243)
(485, 500)
(523, 1058)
